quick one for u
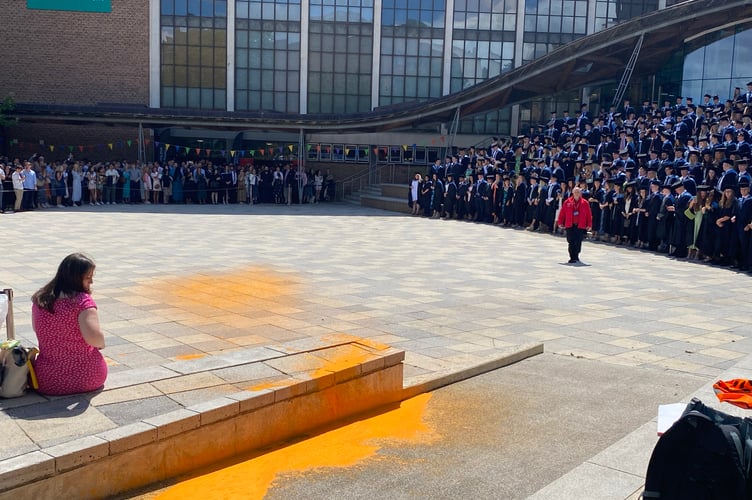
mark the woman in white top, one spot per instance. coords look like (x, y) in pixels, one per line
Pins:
(156, 184)
(414, 197)
(318, 184)
(91, 184)
(146, 184)
(250, 185)
(78, 177)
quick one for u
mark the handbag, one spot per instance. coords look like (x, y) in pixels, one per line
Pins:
(16, 369)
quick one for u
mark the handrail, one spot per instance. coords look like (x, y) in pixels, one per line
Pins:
(9, 324)
(383, 173)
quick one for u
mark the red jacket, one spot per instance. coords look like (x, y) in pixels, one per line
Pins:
(566, 214)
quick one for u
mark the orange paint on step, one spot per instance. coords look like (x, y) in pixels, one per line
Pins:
(342, 447)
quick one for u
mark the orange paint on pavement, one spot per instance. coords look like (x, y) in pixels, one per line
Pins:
(185, 357)
(342, 447)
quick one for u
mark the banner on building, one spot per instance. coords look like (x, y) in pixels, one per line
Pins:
(71, 5)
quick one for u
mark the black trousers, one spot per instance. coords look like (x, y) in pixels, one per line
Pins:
(574, 239)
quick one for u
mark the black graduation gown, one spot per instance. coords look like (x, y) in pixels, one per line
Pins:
(726, 241)
(683, 226)
(665, 220)
(653, 206)
(706, 238)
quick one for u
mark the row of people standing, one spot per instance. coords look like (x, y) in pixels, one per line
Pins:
(38, 184)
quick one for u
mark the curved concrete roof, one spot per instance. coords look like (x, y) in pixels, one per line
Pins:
(598, 57)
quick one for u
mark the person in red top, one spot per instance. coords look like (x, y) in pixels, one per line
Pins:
(576, 218)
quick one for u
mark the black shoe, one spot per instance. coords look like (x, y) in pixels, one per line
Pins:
(572, 261)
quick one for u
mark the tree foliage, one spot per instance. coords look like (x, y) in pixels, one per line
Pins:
(7, 106)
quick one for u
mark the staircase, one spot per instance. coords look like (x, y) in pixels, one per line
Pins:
(392, 197)
(384, 193)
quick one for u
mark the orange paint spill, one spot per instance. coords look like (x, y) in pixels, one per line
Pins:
(227, 298)
(185, 357)
(342, 447)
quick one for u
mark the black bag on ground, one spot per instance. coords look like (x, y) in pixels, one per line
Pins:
(705, 455)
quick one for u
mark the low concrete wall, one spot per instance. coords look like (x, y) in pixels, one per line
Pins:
(178, 442)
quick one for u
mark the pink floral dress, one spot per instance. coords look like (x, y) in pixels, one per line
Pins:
(66, 364)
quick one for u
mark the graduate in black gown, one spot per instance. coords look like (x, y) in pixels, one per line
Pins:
(654, 200)
(728, 210)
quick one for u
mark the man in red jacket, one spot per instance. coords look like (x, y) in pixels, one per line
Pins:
(576, 218)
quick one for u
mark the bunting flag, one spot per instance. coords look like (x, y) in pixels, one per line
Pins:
(208, 152)
(262, 152)
(70, 148)
(252, 152)
(290, 147)
(232, 153)
(347, 151)
(404, 147)
(81, 148)
(198, 151)
(110, 146)
(166, 146)
(308, 147)
(223, 152)
(52, 148)
(129, 142)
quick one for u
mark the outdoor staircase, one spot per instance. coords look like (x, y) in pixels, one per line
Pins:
(392, 197)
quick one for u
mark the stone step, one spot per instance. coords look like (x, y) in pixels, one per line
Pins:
(395, 191)
(385, 203)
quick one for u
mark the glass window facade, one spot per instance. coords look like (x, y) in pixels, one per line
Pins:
(611, 12)
(194, 54)
(340, 56)
(718, 62)
(551, 23)
(412, 50)
(482, 41)
(267, 55)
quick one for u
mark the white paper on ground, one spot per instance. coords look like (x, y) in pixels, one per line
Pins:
(668, 414)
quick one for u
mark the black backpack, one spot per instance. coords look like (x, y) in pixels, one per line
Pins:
(705, 455)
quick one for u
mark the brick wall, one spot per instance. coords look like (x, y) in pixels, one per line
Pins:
(54, 142)
(75, 57)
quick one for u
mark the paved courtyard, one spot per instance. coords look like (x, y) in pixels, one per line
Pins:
(179, 283)
(183, 282)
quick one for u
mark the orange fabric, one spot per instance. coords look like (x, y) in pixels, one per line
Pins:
(738, 392)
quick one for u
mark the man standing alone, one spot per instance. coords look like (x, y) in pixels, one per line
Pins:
(576, 218)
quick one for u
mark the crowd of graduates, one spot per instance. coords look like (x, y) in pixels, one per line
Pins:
(671, 179)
